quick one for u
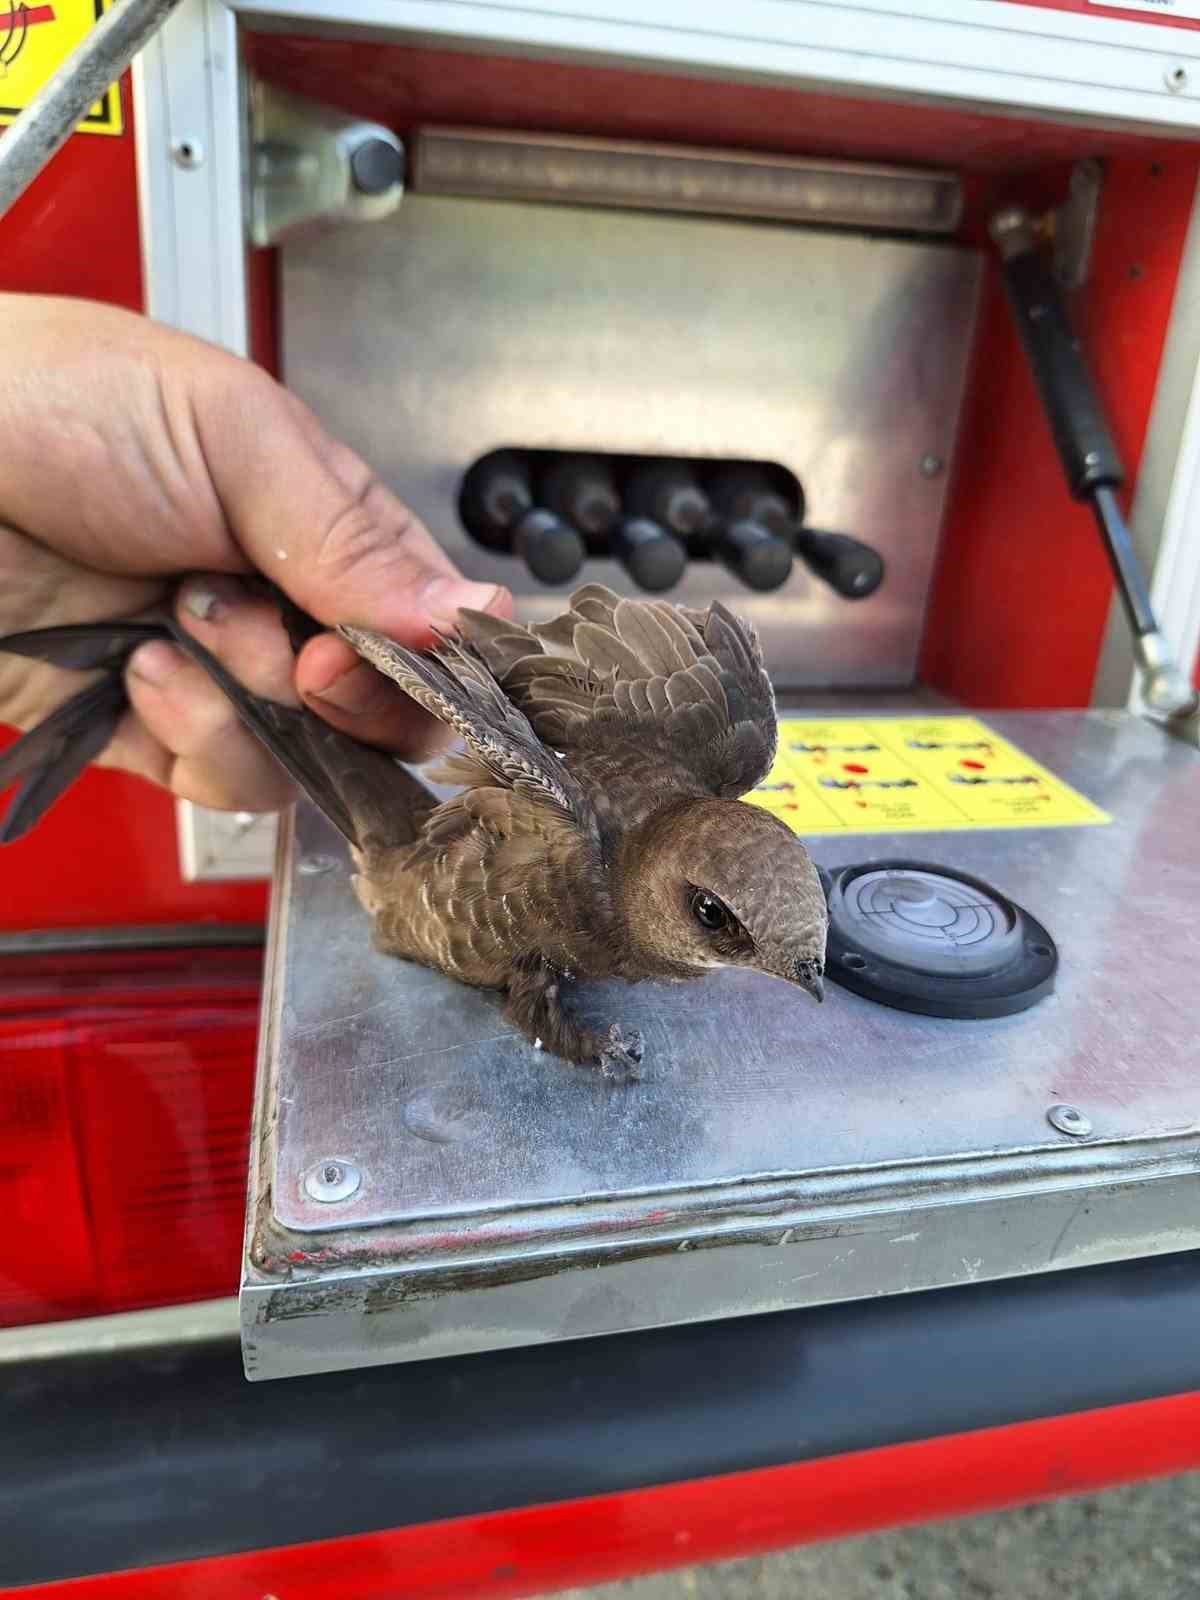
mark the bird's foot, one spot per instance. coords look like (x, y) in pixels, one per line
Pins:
(535, 1004)
(620, 1057)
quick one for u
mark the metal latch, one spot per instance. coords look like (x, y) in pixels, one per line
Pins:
(310, 165)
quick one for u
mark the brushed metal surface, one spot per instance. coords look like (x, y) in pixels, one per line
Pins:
(882, 1151)
(460, 326)
(770, 1252)
(872, 1151)
(449, 1113)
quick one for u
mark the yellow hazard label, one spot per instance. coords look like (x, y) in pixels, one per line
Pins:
(35, 40)
(912, 774)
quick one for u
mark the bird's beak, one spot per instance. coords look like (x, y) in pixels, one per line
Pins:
(806, 973)
(808, 976)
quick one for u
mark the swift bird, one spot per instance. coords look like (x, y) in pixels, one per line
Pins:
(598, 833)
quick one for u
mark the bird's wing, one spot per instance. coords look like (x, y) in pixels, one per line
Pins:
(503, 750)
(367, 796)
(48, 759)
(687, 688)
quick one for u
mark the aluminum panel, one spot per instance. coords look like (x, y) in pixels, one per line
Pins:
(893, 1151)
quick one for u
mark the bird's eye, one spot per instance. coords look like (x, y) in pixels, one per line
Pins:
(709, 912)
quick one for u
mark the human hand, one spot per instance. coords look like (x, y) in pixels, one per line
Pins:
(131, 455)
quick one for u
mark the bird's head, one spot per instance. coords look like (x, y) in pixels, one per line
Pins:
(718, 883)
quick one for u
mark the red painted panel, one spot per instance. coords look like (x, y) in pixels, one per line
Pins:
(75, 230)
(261, 277)
(404, 87)
(107, 854)
(547, 1548)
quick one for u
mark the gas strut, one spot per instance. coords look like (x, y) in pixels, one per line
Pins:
(1088, 455)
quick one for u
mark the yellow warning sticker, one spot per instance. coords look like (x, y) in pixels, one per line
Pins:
(35, 40)
(912, 774)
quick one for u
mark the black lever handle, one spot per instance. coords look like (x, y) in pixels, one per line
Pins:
(760, 558)
(551, 550)
(1073, 409)
(852, 569)
(1077, 421)
(653, 558)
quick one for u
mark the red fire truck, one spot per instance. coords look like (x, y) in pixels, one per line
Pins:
(781, 1292)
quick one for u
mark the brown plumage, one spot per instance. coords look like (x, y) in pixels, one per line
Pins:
(598, 832)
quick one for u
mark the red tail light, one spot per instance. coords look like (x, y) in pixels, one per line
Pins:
(125, 1092)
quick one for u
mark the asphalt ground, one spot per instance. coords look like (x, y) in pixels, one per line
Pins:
(1141, 1542)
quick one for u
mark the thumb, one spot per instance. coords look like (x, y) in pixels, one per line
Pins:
(310, 514)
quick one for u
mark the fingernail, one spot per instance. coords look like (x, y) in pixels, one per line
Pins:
(208, 599)
(445, 597)
(155, 662)
(359, 690)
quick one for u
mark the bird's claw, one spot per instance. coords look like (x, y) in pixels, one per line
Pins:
(621, 1057)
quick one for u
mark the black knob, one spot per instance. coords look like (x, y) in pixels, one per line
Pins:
(653, 558)
(376, 166)
(848, 566)
(551, 550)
(668, 492)
(760, 558)
(496, 494)
(747, 494)
(583, 491)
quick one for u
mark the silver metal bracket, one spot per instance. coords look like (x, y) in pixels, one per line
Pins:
(1166, 693)
(1075, 225)
(312, 166)
(218, 846)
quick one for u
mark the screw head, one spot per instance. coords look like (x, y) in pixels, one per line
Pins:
(187, 153)
(1176, 78)
(312, 866)
(931, 464)
(1069, 1119)
(331, 1180)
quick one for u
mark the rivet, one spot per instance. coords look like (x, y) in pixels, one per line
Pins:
(331, 1179)
(931, 464)
(187, 153)
(1069, 1119)
(1176, 78)
(310, 866)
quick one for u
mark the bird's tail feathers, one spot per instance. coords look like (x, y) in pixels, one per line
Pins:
(363, 792)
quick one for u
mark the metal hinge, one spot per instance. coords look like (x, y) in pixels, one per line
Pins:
(310, 165)
(1075, 225)
(224, 845)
